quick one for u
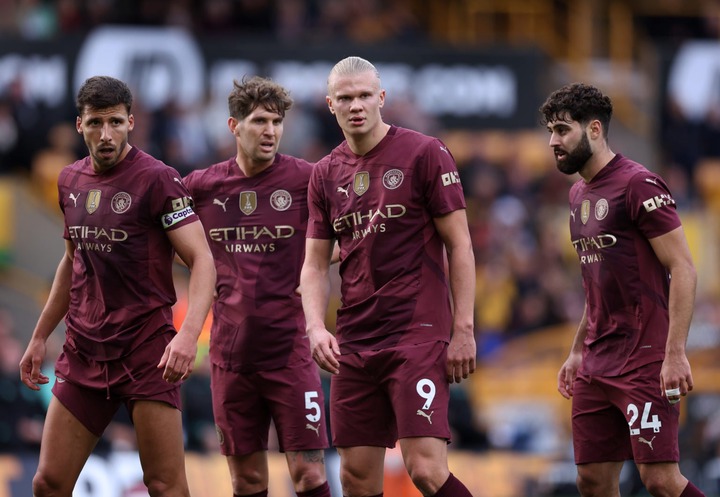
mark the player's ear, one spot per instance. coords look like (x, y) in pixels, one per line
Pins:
(329, 104)
(78, 124)
(131, 122)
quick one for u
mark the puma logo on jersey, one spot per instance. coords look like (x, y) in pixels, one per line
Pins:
(74, 198)
(316, 429)
(175, 179)
(221, 204)
(425, 415)
(345, 190)
(649, 442)
(572, 214)
(651, 180)
(445, 149)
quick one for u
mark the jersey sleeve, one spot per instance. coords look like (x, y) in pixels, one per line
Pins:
(651, 205)
(171, 203)
(441, 180)
(319, 225)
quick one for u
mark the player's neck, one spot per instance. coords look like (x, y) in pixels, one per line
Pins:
(594, 165)
(252, 168)
(361, 144)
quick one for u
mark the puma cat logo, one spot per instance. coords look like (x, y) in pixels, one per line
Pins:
(74, 198)
(345, 190)
(221, 204)
(649, 442)
(425, 415)
(316, 429)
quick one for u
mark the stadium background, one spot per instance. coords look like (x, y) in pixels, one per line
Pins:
(472, 72)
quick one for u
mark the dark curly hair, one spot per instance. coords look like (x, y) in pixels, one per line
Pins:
(577, 102)
(254, 92)
(102, 92)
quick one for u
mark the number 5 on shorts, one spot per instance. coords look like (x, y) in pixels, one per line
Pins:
(311, 405)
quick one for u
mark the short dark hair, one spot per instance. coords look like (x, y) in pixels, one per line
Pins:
(578, 102)
(254, 92)
(101, 92)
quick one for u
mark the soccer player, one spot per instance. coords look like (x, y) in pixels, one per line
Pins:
(254, 210)
(392, 198)
(126, 215)
(627, 366)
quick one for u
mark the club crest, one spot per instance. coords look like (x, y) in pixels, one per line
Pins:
(393, 178)
(280, 200)
(120, 202)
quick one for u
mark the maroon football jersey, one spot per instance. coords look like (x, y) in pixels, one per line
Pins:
(122, 286)
(380, 208)
(626, 288)
(256, 230)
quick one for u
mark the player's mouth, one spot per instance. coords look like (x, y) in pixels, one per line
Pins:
(357, 121)
(106, 152)
(560, 154)
(268, 147)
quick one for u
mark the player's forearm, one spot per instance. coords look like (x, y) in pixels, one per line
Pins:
(680, 306)
(200, 293)
(58, 301)
(315, 286)
(580, 334)
(461, 262)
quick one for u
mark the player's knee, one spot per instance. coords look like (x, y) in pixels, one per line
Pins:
(308, 477)
(160, 487)
(44, 486)
(589, 484)
(426, 477)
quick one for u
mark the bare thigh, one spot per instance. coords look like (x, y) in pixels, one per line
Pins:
(66, 446)
(160, 444)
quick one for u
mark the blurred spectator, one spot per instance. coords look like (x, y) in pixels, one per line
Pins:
(9, 137)
(21, 411)
(36, 19)
(198, 419)
(62, 150)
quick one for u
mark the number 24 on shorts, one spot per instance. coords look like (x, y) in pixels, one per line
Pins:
(647, 421)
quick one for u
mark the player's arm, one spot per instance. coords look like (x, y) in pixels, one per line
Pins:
(453, 229)
(191, 246)
(54, 310)
(673, 252)
(568, 371)
(315, 284)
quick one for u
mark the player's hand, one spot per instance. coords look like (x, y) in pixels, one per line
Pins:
(675, 377)
(178, 360)
(324, 349)
(567, 374)
(460, 357)
(31, 363)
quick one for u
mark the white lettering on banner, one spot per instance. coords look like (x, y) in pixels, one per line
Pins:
(43, 78)
(160, 64)
(460, 90)
(466, 90)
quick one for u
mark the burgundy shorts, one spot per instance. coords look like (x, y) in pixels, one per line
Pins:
(244, 404)
(624, 417)
(398, 392)
(93, 391)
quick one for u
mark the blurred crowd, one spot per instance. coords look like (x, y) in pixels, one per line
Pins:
(360, 20)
